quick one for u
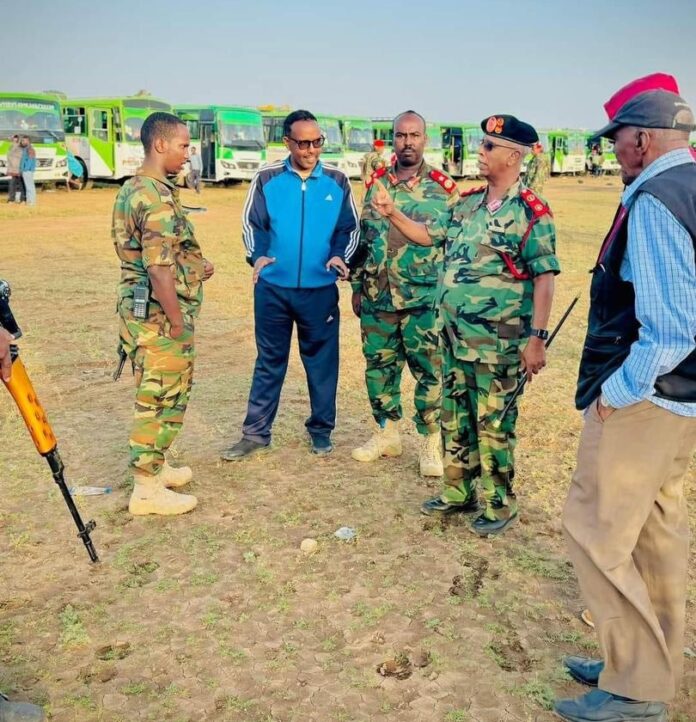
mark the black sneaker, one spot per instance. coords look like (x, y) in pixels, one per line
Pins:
(321, 444)
(486, 527)
(436, 505)
(242, 449)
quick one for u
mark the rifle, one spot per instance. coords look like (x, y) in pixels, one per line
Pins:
(522, 382)
(22, 391)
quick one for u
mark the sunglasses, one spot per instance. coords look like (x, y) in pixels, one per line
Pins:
(304, 144)
(488, 146)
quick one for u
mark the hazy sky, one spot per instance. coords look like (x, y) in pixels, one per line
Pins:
(550, 63)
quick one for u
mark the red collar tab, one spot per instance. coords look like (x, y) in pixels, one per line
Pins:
(539, 208)
(444, 180)
(656, 81)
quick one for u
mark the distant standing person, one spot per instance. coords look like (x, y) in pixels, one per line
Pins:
(196, 163)
(15, 187)
(538, 170)
(373, 160)
(76, 172)
(27, 168)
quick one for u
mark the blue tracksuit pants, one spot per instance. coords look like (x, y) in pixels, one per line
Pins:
(315, 313)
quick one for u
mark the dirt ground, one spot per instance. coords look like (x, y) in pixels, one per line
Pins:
(217, 615)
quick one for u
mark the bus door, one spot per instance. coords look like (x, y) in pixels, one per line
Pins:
(208, 150)
(101, 140)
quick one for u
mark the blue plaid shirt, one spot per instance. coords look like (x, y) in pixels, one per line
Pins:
(659, 262)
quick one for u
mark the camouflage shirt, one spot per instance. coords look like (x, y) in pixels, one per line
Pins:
(394, 273)
(150, 228)
(486, 290)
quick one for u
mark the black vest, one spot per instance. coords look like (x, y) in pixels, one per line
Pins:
(612, 323)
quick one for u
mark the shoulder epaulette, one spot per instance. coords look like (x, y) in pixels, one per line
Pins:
(444, 180)
(375, 174)
(472, 191)
(539, 207)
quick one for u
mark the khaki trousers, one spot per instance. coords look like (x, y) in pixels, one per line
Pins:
(626, 525)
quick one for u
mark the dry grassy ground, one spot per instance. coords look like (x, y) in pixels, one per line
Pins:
(217, 615)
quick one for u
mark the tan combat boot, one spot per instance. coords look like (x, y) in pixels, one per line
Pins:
(173, 478)
(430, 455)
(151, 497)
(384, 442)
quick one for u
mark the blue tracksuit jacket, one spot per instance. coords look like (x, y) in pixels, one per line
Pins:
(300, 223)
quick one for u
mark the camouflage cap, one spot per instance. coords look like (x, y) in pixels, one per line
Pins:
(508, 127)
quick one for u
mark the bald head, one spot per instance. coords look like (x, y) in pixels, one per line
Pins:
(410, 115)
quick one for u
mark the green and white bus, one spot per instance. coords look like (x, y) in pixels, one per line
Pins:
(332, 151)
(566, 150)
(36, 115)
(229, 139)
(358, 138)
(104, 133)
(384, 130)
(460, 146)
(610, 164)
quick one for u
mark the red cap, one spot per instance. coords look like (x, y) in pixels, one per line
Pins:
(656, 81)
(379, 142)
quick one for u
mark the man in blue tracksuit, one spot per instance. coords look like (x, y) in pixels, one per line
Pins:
(300, 228)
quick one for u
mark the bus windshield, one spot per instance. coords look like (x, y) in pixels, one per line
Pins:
(474, 138)
(136, 110)
(434, 138)
(38, 118)
(360, 139)
(241, 135)
(332, 131)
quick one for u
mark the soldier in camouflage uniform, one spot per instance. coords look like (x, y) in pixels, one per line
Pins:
(155, 243)
(538, 170)
(495, 300)
(373, 160)
(394, 286)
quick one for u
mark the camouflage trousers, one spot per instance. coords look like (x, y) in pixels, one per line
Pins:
(474, 394)
(163, 379)
(390, 339)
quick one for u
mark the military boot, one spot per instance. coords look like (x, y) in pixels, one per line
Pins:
(430, 455)
(19, 711)
(384, 442)
(174, 477)
(150, 496)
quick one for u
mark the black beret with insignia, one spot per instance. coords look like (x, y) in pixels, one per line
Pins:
(509, 128)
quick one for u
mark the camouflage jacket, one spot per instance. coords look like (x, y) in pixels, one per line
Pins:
(150, 228)
(392, 272)
(491, 259)
(537, 170)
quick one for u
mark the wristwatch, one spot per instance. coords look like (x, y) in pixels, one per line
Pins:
(541, 333)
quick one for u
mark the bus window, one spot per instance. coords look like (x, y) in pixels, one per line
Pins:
(273, 129)
(475, 136)
(434, 138)
(576, 144)
(99, 124)
(194, 129)
(133, 126)
(74, 121)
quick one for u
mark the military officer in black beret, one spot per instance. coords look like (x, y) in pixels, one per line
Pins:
(495, 299)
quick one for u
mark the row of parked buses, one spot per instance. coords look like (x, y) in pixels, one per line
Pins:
(234, 141)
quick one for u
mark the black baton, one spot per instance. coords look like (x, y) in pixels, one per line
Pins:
(521, 383)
